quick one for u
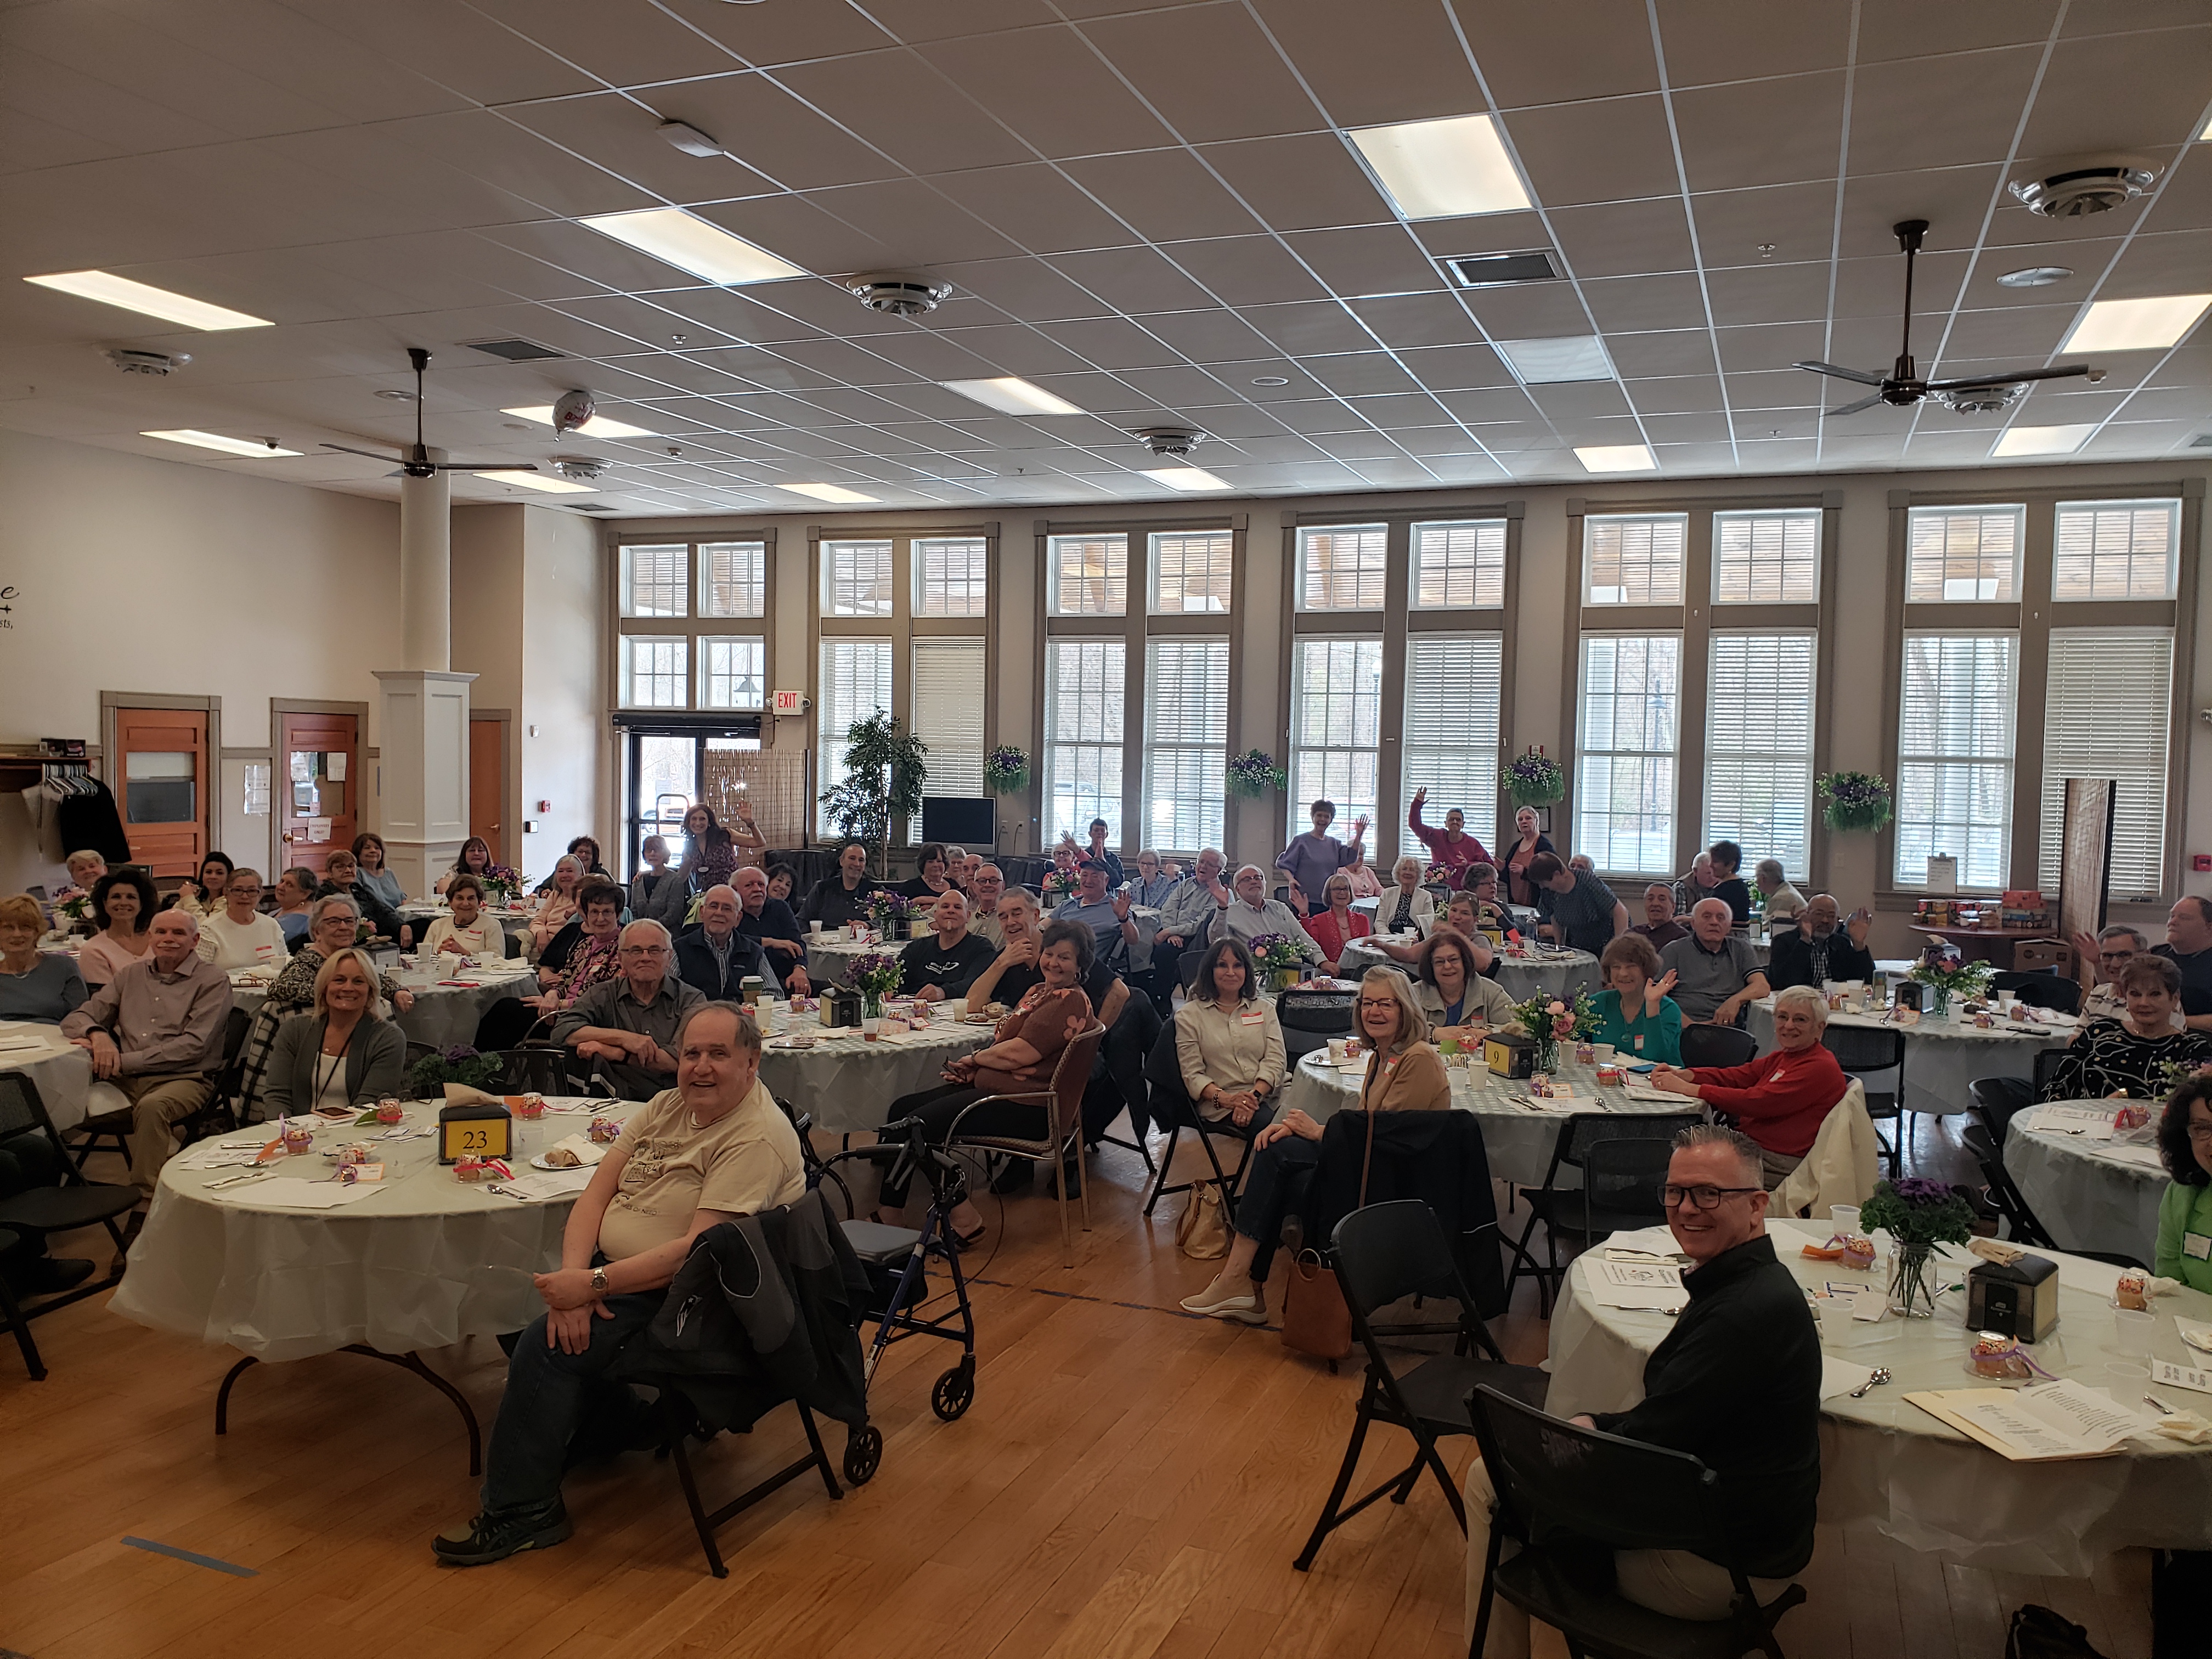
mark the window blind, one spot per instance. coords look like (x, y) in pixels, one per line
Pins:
(1341, 568)
(733, 672)
(952, 577)
(1453, 695)
(734, 579)
(1767, 558)
(947, 700)
(856, 578)
(1759, 746)
(1633, 560)
(1459, 566)
(1628, 720)
(1088, 577)
(1336, 709)
(653, 580)
(1085, 688)
(1186, 742)
(1963, 555)
(2115, 550)
(1191, 572)
(655, 671)
(2107, 715)
(856, 683)
(1954, 756)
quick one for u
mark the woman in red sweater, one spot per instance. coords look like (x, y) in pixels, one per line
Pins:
(1780, 1098)
(1337, 925)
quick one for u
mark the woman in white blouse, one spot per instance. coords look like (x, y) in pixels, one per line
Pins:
(1229, 1043)
(468, 931)
(238, 935)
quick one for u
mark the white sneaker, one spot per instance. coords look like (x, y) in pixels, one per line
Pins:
(1215, 1304)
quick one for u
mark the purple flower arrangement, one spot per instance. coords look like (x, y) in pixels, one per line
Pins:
(1535, 779)
(1253, 773)
(1856, 800)
(1005, 770)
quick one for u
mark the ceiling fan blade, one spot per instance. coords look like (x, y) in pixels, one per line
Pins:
(1864, 377)
(1853, 409)
(485, 467)
(1980, 380)
(348, 449)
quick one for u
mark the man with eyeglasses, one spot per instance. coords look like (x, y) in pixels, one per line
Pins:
(1821, 946)
(714, 954)
(1736, 1384)
(2109, 952)
(624, 1029)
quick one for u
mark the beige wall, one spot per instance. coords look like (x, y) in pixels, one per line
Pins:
(561, 724)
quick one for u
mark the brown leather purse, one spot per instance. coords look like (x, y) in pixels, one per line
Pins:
(1316, 1319)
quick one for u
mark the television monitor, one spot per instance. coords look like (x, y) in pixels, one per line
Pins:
(968, 821)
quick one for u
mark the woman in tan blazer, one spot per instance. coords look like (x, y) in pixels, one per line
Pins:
(1405, 1074)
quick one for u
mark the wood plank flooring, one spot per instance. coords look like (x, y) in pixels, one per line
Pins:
(1131, 1483)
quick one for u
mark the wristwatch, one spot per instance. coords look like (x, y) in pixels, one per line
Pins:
(598, 1281)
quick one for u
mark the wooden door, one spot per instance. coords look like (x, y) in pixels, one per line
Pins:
(488, 784)
(162, 765)
(317, 785)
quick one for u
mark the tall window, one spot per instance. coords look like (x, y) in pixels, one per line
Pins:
(2109, 702)
(1629, 717)
(1336, 710)
(1084, 682)
(2115, 550)
(654, 673)
(1453, 691)
(1186, 739)
(1087, 576)
(856, 578)
(1759, 745)
(1963, 555)
(653, 580)
(1954, 741)
(733, 672)
(1342, 569)
(1191, 572)
(948, 714)
(1767, 558)
(690, 635)
(1635, 560)
(856, 683)
(1459, 567)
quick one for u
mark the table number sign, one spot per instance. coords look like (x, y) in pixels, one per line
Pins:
(476, 1132)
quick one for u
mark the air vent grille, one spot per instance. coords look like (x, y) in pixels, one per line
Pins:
(514, 351)
(2201, 440)
(1497, 269)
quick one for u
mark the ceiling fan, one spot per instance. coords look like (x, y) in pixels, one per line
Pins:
(416, 462)
(1902, 384)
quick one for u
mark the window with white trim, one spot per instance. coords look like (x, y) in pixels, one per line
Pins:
(1459, 567)
(947, 698)
(1336, 720)
(951, 576)
(1634, 559)
(2107, 714)
(856, 578)
(733, 672)
(1191, 572)
(1759, 744)
(1340, 568)
(2115, 550)
(1963, 555)
(732, 579)
(1954, 756)
(1186, 739)
(653, 580)
(855, 683)
(1087, 576)
(1453, 691)
(1628, 724)
(655, 671)
(1085, 688)
(1767, 558)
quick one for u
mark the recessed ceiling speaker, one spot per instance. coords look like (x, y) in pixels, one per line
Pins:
(1176, 440)
(899, 293)
(573, 409)
(2090, 185)
(579, 469)
(131, 360)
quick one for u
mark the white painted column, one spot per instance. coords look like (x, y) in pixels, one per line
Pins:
(426, 573)
(423, 724)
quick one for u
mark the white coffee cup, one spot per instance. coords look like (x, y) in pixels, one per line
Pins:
(1845, 1216)
(815, 925)
(1338, 1047)
(955, 1007)
(1602, 1052)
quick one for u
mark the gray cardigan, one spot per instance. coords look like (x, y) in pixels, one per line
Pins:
(376, 1063)
(666, 904)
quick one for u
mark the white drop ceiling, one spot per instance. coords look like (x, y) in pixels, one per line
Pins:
(1148, 209)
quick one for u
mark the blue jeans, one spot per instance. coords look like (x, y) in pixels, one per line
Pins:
(550, 1395)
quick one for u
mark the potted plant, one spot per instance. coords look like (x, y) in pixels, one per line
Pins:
(1919, 1215)
(1005, 770)
(1253, 775)
(1856, 800)
(1949, 979)
(884, 772)
(875, 976)
(1535, 779)
(429, 1075)
(1278, 957)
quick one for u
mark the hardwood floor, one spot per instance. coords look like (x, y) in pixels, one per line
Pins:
(1131, 1481)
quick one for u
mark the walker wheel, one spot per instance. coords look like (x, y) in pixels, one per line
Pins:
(954, 1393)
(864, 1453)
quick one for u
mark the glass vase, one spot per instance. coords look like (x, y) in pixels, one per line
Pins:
(1547, 1056)
(1942, 1001)
(871, 1004)
(1912, 1278)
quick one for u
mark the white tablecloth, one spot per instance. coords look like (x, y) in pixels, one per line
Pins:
(1941, 1056)
(848, 1083)
(423, 1261)
(829, 955)
(1522, 976)
(2089, 1194)
(1518, 1139)
(1920, 1481)
(443, 1015)
(58, 1069)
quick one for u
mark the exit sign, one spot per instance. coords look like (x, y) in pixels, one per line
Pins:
(790, 703)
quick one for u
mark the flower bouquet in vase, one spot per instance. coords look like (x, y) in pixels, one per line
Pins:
(1918, 1215)
(887, 913)
(502, 885)
(72, 909)
(1438, 879)
(1950, 979)
(1058, 887)
(1277, 958)
(429, 1075)
(1550, 1021)
(875, 975)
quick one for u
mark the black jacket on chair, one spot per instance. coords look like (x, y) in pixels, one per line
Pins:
(1789, 959)
(1436, 1157)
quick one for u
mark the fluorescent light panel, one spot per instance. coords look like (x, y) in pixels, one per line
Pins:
(826, 492)
(1617, 458)
(1556, 362)
(148, 300)
(689, 243)
(599, 426)
(1012, 395)
(1444, 169)
(545, 482)
(2151, 325)
(1188, 478)
(2043, 440)
(246, 447)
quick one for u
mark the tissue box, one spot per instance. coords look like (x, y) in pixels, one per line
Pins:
(1509, 1054)
(2020, 1301)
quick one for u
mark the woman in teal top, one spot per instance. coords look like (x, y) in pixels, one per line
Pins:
(1634, 1012)
(2184, 1214)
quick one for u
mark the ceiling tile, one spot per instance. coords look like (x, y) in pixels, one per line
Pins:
(1905, 29)
(1165, 193)
(1939, 111)
(1022, 287)
(1485, 407)
(1621, 304)
(1761, 132)
(1769, 293)
(1400, 63)
(1035, 207)
(1675, 394)
(1179, 61)
(773, 132)
(1624, 239)
(1709, 41)
(1518, 48)
(1482, 232)
(1417, 319)
(768, 35)
(1133, 279)
(1174, 388)
(1798, 220)
(1212, 336)
(895, 102)
(1954, 202)
(1612, 150)
(1583, 401)
(1111, 343)
(1316, 327)
(1052, 89)
(1366, 259)
(1683, 351)
(2175, 263)
(1245, 271)
(898, 223)
(1453, 368)
(650, 45)
(1529, 311)
(1359, 372)
(1686, 428)
(2110, 94)
(1300, 182)
(465, 51)
(2030, 333)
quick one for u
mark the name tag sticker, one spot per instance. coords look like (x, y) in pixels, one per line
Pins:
(2196, 1244)
(1253, 1017)
(1639, 1043)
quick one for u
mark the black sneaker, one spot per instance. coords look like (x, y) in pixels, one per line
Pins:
(487, 1539)
(51, 1275)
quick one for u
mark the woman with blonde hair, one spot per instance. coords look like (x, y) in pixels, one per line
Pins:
(1405, 1074)
(343, 1053)
(556, 906)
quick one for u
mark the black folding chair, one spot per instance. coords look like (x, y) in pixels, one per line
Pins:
(1382, 1254)
(1562, 1488)
(2040, 990)
(1718, 1045)
(1187, 968)
(220, 1115)
(1309, 1018)
(2011, 1205)
(12, 1314)
(1628, 1199)
(1864, 1051)
(1995, 1100)
(74, 1203)
(1173, 1106)
(534, 1069)
(2047, 1063)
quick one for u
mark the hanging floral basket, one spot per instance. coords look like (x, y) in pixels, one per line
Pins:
(1856, 800)
(1535, 779)
(1253, 773)
(1005, 771)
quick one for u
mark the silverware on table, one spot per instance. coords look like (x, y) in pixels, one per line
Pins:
(2158, 1405)
(1880, 1376)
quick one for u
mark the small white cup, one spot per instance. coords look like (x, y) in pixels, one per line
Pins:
(2131, 1329)
(1845, 1217)
(871, 1029)
(815, 925)
(1603, 1052)
(1337, 1049)
(954, 1007)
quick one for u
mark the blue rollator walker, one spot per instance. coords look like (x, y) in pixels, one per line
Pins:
(897, 1259)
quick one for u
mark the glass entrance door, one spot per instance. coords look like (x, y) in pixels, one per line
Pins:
(664, 782)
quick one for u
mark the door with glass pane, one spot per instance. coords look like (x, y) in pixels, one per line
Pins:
(664, 782)
(163, 764)
(318, 786)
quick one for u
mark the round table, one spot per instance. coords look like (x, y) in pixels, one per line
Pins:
(1559, 975)
(2090, 1194)
(1518, 1139)
(443, 1015)
(829, 955)
(846, 1083)
(1917, 1480)
(1941, 1056)
(59, 1070)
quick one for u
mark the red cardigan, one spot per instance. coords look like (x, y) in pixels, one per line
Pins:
(1321, 929)
(1779, 1099)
